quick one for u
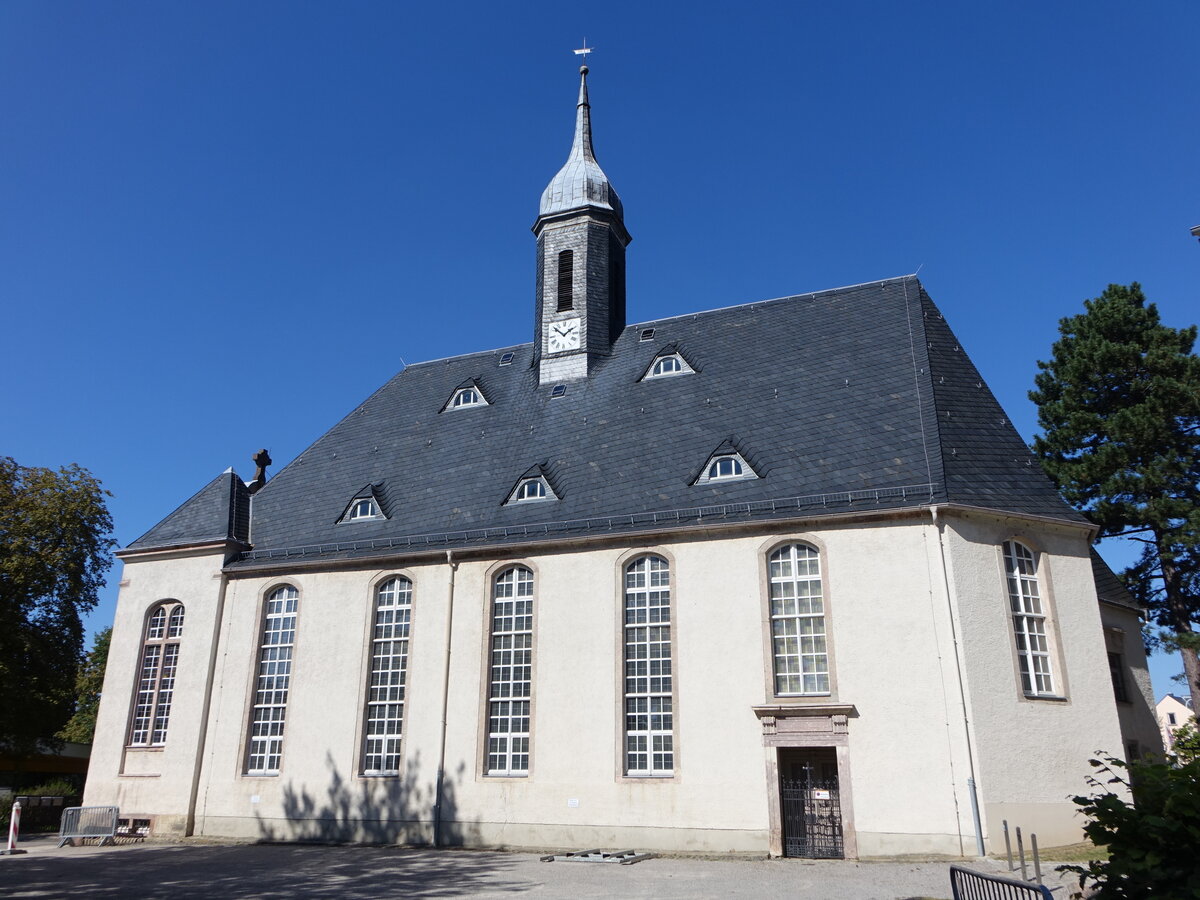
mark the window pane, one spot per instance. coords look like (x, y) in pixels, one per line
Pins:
(649, 721)
(389, 671)
(801, 656)
(1029, 622)
(273, 683)
(511, 672)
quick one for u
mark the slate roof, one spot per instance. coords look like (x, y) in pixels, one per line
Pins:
(848, 399)
(220, 511)
(1109, 587)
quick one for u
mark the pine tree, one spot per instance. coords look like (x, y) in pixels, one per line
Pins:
(1119, 405)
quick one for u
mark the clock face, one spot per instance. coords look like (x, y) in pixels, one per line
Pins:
(564, 335)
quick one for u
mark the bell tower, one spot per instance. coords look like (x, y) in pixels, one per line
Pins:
(581, 240)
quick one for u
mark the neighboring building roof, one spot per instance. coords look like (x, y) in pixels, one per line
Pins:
(1109, 587)
(220, 511)
(848, 399)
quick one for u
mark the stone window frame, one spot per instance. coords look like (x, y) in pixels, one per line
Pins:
(377, 587)
(493, 576)
(258, 681)
(162, 633)
(624, 562)
(1045, 597)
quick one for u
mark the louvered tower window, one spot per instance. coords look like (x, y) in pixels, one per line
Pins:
(566, 280)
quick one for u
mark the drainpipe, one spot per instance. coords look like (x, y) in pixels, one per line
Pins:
(441, 770)
(962, 691)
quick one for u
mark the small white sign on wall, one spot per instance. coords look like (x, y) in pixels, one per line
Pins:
(819, 794)
(254, 798)
(573, 802)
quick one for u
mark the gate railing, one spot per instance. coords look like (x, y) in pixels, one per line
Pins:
(967, 884)
(812, 819)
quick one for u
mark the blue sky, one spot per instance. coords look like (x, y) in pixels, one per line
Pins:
(224, 224)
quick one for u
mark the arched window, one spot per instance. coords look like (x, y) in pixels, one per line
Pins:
(649, 716)
(667, 365)
(511, 672)
(725, 467)
(156, 679)
(467, 397)
(798, 621)
(566, 280)
(533, 489)
(1029, 619)
(364, 509)
(273, 682)
(387, 688)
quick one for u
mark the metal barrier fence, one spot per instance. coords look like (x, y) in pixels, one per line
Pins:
(967, 884)
(89, 822)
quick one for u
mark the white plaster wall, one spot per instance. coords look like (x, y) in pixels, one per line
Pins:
(155, 781)
(893, 660)
(1033, 753)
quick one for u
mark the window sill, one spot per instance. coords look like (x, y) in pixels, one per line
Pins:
(1052, 698)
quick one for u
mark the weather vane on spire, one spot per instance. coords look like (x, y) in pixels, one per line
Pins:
(584, 51)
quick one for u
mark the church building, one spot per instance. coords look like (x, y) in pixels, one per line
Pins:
(777, 578)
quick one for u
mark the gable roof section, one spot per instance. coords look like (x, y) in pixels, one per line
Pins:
(220, 511)
(850, 398)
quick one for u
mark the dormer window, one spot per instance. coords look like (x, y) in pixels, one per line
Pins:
(667, 364)
(466, 397)
(535, 486)
(533, 489)
(363, 509)
(727, 463)
(725, 467)
(365, 506)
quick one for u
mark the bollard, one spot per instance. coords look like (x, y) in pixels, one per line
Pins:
(1008, 846)
(1021, 853)
(1037, 862)
(14, 829)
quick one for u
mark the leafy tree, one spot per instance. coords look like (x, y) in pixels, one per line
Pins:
(1186, 743)
(1119, 404)
(88, 684)
(54, 550)
(1147, 842)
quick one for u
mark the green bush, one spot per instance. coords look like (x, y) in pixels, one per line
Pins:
(56, 787)
(1152, 841)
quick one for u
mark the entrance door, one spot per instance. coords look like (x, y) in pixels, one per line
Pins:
(810, 803)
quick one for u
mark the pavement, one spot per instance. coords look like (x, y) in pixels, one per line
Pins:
(205, 869)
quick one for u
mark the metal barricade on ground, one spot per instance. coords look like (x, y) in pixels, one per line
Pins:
(967, 884)
(89, 822)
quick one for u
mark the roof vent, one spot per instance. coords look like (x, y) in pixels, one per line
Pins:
(559, 390)
(647, 334)
(507, 358)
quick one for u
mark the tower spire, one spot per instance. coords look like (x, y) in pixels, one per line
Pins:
(582, 146)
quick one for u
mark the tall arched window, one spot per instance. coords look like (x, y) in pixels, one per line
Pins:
(389, 674)
(1028, 618)
(273, 682)
(798, 621)
(511, 672)
(649, 716)
(156, 679)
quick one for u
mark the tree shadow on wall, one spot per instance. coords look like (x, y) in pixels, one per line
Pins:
(372, 810)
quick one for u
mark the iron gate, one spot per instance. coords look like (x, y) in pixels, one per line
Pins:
(812, 818)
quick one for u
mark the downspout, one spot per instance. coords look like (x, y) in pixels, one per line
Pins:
(441, 770)
(962, 691)
(206, 707)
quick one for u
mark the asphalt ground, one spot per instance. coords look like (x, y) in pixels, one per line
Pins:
(194, 869)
